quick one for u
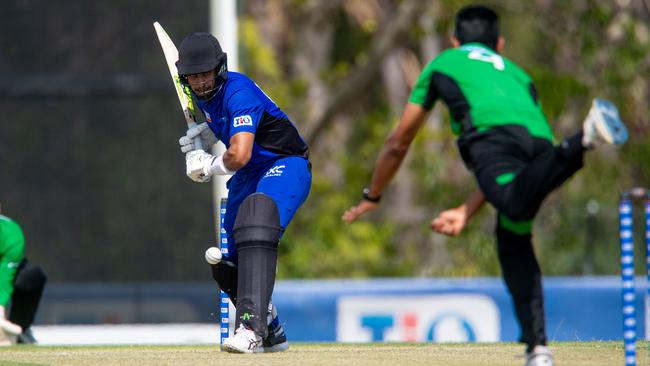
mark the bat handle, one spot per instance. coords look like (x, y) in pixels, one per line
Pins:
(197, 140)
(197, 144)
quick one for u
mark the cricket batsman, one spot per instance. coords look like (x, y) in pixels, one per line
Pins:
(271, 179)
(505, 139)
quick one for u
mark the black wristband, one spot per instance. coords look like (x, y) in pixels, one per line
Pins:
(366, 197)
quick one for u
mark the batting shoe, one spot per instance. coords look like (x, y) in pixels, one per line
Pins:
(539, 356)
(276, 340)
(9, 332)
(244, 341)
(603, 124)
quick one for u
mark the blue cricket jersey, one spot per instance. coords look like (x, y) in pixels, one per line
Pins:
(241, 106)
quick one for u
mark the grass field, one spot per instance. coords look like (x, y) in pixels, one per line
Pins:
(497, 354)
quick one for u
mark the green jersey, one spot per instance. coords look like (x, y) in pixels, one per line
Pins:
(12, 250)
(482, 90)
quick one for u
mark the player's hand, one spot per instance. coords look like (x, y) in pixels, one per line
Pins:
(197, 166)
(450, 222)
(354, 212)
(207, 137)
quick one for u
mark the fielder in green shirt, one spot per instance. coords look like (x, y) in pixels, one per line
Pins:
(505, 139)
(21, 286)
(12, 251)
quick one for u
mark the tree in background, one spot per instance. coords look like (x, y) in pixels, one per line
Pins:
(349, 78)
(95, 185)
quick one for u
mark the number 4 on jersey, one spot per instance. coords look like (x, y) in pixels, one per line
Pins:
(494, 59)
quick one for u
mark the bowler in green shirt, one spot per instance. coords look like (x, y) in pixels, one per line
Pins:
(507, 143)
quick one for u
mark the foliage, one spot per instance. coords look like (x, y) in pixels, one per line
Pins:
(563, 227)
(95, 178)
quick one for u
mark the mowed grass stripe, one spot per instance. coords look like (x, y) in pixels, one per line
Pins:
(299, 354)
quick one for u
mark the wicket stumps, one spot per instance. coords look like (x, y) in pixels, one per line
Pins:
(626, 222)
(225, 301)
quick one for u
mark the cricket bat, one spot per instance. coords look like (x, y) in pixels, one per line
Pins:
(183, 92)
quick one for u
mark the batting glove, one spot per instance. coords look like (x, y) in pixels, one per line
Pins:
(197, 166)
(200, 166)
(207, 137)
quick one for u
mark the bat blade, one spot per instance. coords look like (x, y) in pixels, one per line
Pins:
(182, 91)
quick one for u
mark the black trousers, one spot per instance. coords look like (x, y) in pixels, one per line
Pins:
(28, 287)
(516, 172)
